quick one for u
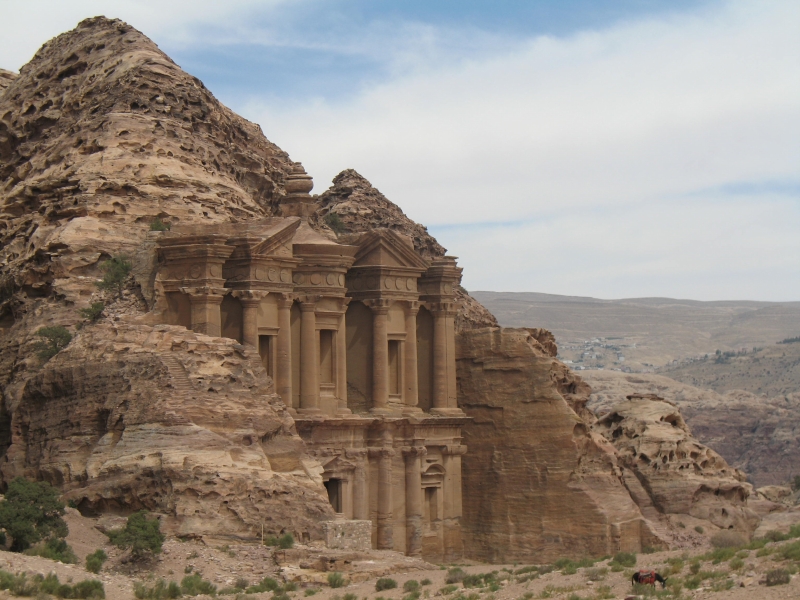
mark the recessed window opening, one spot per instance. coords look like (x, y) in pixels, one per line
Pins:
(326, 356)
(394, 367)
(334, 487)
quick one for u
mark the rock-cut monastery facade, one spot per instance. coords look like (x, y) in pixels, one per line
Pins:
(359, 339)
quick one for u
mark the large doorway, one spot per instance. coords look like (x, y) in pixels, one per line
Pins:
(334, 487)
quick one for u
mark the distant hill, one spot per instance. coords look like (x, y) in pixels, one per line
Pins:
(774, 371)
(642, 334)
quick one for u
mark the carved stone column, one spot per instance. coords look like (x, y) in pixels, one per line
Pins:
(385, 517)
(452, 507)
(205, 302)
(250, 299)
(380, 355)
(360, 489)
(412, 455)
(341, 364)
(445, 401)
(283, 366)
(309, 357)
(411, 392)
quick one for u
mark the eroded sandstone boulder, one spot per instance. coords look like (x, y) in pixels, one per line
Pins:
(538, 484)
(681, 475)
(131, 416)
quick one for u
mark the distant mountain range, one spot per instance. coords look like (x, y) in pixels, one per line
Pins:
(642, 334)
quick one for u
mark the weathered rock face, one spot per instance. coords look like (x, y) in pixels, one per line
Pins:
(754, 433)
(132, 416)
(6, 77)
(538, 483)
(360, 207)
(681, 475)
(100, 134)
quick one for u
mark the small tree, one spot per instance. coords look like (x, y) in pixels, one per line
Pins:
(54, 340)
(31, 512)
(335, 222)
(94, 561)
(141, 535)
(159, 225)
(115, 272)
(93, 312)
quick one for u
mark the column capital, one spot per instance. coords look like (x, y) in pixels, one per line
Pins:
(412, 307)
(454, 449)
(381, 452)
(379, 306)
(284, 300)
(414, 451)
(205, 292)
(356, 453)
(253, 296)
(308, 303)
(443, 309)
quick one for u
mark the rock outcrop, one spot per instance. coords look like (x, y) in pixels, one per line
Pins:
(754, 433)
(6, 77)
(131, 416)
(681, 475)
(538, 483)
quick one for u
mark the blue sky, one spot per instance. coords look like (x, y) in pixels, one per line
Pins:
(598, 148)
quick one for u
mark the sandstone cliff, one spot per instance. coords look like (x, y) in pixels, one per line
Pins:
(538, 483)
(6, 77)
(754, 433)
(681, 475)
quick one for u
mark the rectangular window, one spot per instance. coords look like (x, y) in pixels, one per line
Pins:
(394, 368)
(326, 356)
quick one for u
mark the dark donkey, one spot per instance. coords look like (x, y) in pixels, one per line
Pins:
(648, 578)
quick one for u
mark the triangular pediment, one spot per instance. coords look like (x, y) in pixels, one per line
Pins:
(280, 242)
(387, 249)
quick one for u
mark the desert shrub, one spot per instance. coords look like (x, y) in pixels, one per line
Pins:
(349, 597)
(290, 586)
(794, 531)
(774, 535)
(778, 577)
(699, 529)
(790, 551)
(425, 581)
(736, 563)
(54, 549)
(115, 272)
(625, 559)
(412, 585)
(88, 588)
(604, 592)
(796, 483)
(31, 512)
(385, 583)
(241, 583)
(765, 551)
(596, 573)
(719, 555)
(93, 312)
(694, 568)
(335, 222)
(336, 580)
(94, 562)
(54, 340)
(268, 584)
(194, 585)
(141, 535)
(448, 589)
(676, 564)
(161, 590)
(728, 539)
(286, 541)
(159, 225)
(410, 596)
(454, 575)
(310, 592)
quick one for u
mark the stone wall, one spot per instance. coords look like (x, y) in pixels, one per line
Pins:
(348, 535)
(537, 483)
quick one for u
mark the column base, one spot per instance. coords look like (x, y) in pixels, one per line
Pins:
(384, 410)
(412, 411)
(448, 412)
(292, 412)
(309, 412)
(342, 412)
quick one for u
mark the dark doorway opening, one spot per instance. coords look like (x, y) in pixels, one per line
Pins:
(334, 487)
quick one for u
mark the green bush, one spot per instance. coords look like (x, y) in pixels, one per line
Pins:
(454, 575)
(719, 555)
(625, 559)
(310, 592)
(335, 222)
(790, 551)
(31, 512)
(425, 581)
(194, 585)
(728, 539)
(385, 583)
(699, 529)
(54, 549)
(778, 577)
(412, 585)
(93, 312)
(94, 562)
(736, 563)
(141, 535)
(349, 597)
(54, 340)
(115, 272)
(21, 585)
(448, 589)
(268, 584)
(159, 225)
(286, 541)
(336, 580)
(160, 591)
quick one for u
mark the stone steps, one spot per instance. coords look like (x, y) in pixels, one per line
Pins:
(180, 380)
